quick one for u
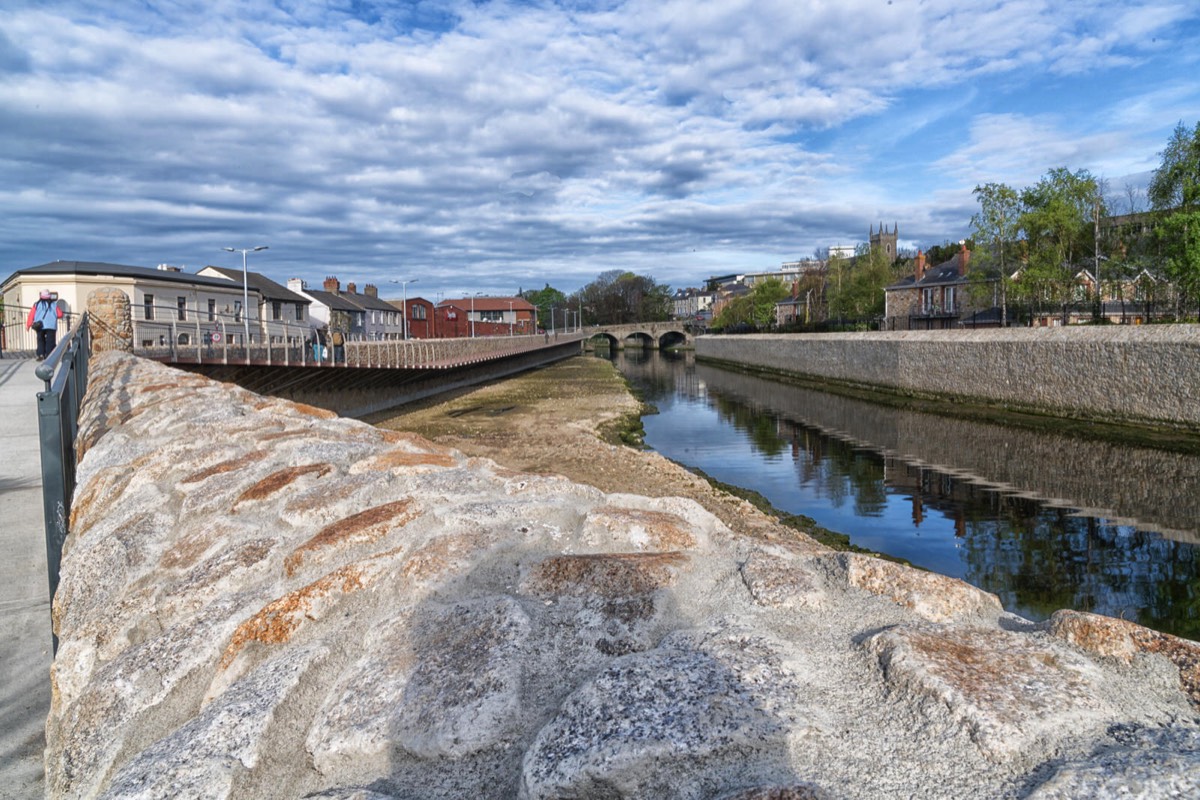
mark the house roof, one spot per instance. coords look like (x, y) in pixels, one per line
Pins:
(366, 301)
(335, 302)
(119, 271)
(489, 303)
(266, 287)
(943, 274)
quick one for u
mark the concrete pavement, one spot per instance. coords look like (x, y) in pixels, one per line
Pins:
(24, 594)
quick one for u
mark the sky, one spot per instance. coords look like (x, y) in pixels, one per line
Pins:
(488, 147)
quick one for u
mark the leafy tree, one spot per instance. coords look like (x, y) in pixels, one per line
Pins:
(997, 224)
(1055, 220)
(1175, 191)
(545, 299)
(617, 297)
(756, 309)
(1176, 182)
(856, 291)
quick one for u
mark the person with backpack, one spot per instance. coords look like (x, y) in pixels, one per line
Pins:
(43, 320)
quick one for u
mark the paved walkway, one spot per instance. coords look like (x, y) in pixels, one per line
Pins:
(24, 596)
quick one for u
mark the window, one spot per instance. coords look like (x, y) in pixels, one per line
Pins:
(212, 309)
(147, 306)
(181, 307)
(184, 339)
(927, 302)
(418, 311)
(299, 312)
(950, 296)
(491, 316)
(237, 310)
(276, 310)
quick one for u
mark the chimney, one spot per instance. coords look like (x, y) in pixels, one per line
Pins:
(333, 285)
(964, 255)
(297, 284)
(795, 289)
(351, 288)
(370, 290)
(920, 271)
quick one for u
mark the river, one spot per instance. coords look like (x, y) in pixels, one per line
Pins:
(1044, 521)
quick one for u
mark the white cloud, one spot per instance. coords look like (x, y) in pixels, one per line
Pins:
(504, 137)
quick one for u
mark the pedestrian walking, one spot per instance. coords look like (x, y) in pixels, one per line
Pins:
(43, 321)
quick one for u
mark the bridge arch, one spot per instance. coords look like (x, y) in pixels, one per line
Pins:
(647, 335)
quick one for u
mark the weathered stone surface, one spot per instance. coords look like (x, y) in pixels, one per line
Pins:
(1141, 763)
(262, 600)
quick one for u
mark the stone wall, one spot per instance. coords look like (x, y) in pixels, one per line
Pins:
(111, 320)
(1137, 374)
(259, 599)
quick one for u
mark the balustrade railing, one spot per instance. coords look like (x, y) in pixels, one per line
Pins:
(65, 373)
(219, 338)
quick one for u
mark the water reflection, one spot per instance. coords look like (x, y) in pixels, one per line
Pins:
(1043, 521)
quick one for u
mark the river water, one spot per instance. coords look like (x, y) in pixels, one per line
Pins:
(1043, 521)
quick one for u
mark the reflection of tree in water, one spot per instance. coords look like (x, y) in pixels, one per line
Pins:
(1039, 560)
(1036, 558)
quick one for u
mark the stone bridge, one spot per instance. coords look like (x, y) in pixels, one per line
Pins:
(646, 335)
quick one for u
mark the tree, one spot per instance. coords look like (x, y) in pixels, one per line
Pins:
(856, 290)
(617, 297)
(756, 309)
(1176, 182)
(545, 299)
(1175, 191)
(1056, 220)
(997, 223)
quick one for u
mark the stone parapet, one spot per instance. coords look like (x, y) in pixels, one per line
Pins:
(111, 320)
(1137, 374)
(260, 599)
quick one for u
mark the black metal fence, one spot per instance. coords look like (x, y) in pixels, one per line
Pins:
(65, 372)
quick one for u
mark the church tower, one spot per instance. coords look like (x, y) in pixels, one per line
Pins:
(885, 240)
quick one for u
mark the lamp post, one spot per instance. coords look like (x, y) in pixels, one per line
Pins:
(404, 304)
(473, 296)
(245, 293)
(510, 317)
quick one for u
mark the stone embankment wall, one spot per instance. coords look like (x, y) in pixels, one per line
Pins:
(1136, 374)
(259, 599)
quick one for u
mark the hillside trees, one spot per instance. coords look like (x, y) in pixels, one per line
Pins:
(855, 290)
(617, 297)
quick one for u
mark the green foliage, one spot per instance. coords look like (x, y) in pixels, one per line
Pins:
(617, 297)
(1179, 234)
(756, 309)
(545, 299)
(1056, 219)
(1176, 182)
(996, 224)
(855, 290)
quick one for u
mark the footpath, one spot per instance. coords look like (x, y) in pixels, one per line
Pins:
(24, 595)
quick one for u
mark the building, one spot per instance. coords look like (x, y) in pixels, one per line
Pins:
(885, 240)
(169, 306)
(284, 313)
(421, 315)
(485, 316)
(330, 309)
(691, 304)
(935, 297)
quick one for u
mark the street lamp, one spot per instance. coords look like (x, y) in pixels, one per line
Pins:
(404, 304)
(245, 293)
(510, 317)
(477, 294)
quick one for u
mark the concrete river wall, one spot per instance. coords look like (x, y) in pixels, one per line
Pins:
(1139, 375)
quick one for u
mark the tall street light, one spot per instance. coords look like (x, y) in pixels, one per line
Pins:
(510, 317)
(477, 294)
(245, 293)
(404, 303)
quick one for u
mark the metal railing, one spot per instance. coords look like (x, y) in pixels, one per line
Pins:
(201, 337)
(16, 339)
(65, 372)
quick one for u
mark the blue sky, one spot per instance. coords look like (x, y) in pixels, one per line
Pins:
(492, 146)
